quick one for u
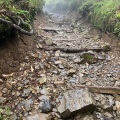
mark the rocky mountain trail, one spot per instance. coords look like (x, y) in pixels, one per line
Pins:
(48, 85)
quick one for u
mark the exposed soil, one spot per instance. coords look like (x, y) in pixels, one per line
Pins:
(13, 52)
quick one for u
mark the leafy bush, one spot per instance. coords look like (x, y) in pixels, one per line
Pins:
(104, 14)
(18, 12)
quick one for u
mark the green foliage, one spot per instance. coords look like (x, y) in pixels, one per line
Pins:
(5, 113)
(18, 12)
(1, 117)
(88, 57)
(104, 14)
(118, 16)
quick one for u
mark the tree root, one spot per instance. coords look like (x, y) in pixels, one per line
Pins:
(16, 27)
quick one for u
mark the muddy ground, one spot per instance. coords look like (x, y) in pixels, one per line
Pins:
(35, 72)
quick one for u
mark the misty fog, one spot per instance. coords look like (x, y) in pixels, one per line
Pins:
(56, 6)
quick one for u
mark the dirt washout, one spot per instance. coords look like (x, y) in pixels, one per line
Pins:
(13, 52)
(39, 85)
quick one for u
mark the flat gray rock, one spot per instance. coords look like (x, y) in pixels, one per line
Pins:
(39, 116)
(75, 101)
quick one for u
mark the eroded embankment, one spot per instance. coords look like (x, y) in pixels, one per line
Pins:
(13, 52)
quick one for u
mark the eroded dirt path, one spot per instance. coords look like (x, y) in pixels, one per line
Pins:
(46, 75)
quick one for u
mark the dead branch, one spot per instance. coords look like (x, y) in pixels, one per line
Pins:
(70, 50)
(65, 40)
(53, 29)
(101, 90)
(16, 27)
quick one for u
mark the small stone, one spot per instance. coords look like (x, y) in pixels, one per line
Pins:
(35, 55)
(28, 105)
(39, 116)
(88, 117)
(59, 83)
(108, 115)
(37, 66)
(57, 62)
(57, 53)
(71, 71)
(44, 91)
(8, 85)
(117, 105)
(43, 80)
(39, 45)
(60, 66)
(45, 104)
(49, 41)
(26, 92)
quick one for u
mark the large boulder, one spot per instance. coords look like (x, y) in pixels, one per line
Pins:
(74, 101)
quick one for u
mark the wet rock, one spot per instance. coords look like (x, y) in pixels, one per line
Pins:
(40, 116)
(48, 41)
(45, 104)
(75, 101)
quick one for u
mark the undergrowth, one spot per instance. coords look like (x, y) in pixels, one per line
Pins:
(19, 12)
(104, 14)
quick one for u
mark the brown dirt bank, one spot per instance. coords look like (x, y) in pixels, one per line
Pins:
(13, 51)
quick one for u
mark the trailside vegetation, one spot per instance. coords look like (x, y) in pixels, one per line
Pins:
(17, 15)
(104, 14)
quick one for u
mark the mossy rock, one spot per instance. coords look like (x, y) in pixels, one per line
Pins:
(89, 58)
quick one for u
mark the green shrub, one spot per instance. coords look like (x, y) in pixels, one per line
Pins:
(103, 14)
